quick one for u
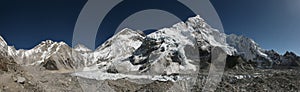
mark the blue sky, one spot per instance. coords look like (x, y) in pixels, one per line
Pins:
(274, 24)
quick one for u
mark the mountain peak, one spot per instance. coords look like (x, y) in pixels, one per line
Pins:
(289, 54)
(124, 35)
(198, 22)
(128, 31)
(2, 42)
(196, 19)
(47, 42)
(247, 47)
(81, 48)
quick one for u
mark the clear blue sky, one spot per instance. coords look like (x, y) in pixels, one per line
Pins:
(274, 24)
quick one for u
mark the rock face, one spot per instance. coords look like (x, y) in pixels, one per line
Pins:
(113, 52)
(288, 60)
(3, 47)
(48, 52)
(249, 50)
(6, 62)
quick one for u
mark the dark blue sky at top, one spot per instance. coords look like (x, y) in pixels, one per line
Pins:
(274, 24)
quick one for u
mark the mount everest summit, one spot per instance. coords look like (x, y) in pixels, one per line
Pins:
(181, 49)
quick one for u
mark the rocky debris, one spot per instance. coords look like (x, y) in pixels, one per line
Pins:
(254, 80)
(44, 82)
(12, 76)
(20, 80)
(17, 78)
(6, 64)
(127, 86)
(261, 81)
(237, 63)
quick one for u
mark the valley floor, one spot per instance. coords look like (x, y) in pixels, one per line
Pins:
(261, 80)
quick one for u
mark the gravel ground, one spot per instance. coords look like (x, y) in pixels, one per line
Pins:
(16, 78)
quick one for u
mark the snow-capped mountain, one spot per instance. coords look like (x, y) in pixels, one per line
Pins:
(176, 49)
(51, 55)
(173, 50)
(248, 49)
(114, 50)
(245, 47)
(3, 47)
(82, 48)
(120, 46)
(2, 42)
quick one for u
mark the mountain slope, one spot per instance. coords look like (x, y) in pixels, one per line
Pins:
(288, 60)
(50, 55)
(120, 45)
(249, 50)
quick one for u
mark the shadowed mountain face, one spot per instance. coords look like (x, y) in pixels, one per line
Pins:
(186, 48)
